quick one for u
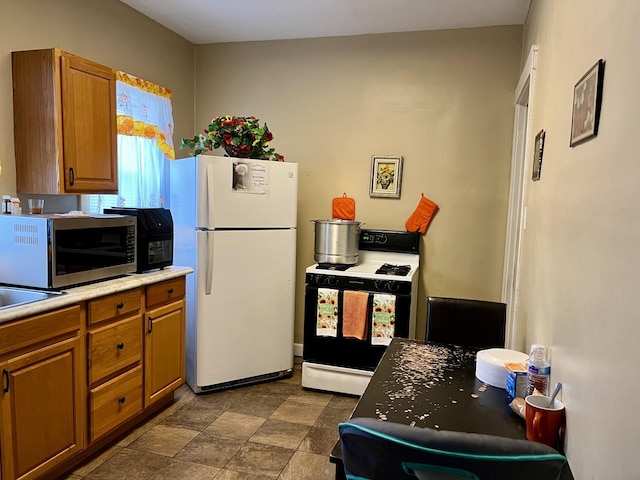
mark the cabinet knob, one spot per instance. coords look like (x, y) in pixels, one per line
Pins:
(122, 400)
(170, 291)
(120, 346)
(120, 306)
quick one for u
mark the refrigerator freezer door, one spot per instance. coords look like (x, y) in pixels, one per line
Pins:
(264, 196)
(244, 328)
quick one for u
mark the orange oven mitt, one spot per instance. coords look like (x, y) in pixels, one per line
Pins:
(420, 218)
(343, 208)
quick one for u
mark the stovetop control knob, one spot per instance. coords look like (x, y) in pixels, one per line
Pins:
(393, 286)
(381, 238)
(321, 279)
(332, 281)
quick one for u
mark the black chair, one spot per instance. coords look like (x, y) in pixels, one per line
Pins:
(377, 450)
(472, 323)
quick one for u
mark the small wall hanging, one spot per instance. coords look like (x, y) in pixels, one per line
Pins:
(386, 176)
(587, 100)
(538, 150)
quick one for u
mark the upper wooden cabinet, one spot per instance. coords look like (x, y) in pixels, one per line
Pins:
(64, 111)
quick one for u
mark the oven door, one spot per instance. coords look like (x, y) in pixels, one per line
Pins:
(348, 352)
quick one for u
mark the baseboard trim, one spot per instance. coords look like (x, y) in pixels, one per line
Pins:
(297, 349)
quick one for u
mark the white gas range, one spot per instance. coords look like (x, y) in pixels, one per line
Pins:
(387, 268)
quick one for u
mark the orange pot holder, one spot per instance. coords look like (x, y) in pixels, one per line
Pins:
(421, 217)
(343, 208)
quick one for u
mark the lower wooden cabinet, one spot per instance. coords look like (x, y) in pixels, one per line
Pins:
(42, 409)
(76, 377)
(164, 355)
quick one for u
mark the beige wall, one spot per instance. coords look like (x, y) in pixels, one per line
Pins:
(105, 31)
(443, 100)
(580, 258)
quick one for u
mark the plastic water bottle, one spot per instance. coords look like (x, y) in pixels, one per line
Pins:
(538, 370)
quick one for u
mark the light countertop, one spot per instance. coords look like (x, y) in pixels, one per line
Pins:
(93, 290)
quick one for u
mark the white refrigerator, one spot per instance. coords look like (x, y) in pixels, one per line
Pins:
(235, 225)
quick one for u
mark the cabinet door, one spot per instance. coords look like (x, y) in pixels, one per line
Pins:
(41, 410)
(164, 351)
(89, 126)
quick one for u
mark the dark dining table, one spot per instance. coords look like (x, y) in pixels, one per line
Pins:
(433, 385)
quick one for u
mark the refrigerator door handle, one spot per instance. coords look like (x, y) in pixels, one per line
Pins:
(209, 195)
(209, 260)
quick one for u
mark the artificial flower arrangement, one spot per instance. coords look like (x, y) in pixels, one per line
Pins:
(240, 137)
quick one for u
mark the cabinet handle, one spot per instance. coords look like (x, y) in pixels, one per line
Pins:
(120, 346)
(120, 306)
(72, 176)
(150, 325)
(5, 373)
(122, 400)
(170, 291)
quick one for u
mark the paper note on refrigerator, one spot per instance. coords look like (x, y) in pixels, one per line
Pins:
(250, 176)
(383, 318)
(327, 313)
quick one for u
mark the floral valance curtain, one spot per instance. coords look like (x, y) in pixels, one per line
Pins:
(145, 144)
(144, 110)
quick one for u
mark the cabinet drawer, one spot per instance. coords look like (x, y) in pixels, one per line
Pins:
(30, 331)
(114, 347)
(165, 291)
(115, 306)
(115, 402)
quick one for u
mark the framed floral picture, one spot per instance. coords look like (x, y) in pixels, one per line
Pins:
(587, 101)
(386, 176)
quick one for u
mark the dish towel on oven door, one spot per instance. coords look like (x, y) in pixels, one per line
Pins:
(327, 313)
(354, 314)
(383, 318)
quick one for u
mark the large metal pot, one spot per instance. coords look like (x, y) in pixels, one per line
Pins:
(336, 241)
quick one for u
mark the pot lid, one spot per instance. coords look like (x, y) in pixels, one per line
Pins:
(337, 221)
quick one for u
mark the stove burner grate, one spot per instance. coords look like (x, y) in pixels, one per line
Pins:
(388, 269)
(341, 267)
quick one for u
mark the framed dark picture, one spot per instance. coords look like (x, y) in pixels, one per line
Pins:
(587, 100)
(386, 176)
(538, 150)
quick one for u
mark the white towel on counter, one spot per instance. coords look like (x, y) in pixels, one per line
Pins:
(327, 313)
(383, 318)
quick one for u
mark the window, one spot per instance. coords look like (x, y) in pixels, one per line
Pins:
(145, 145)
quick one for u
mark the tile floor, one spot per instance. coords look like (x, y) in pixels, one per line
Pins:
(273, 430)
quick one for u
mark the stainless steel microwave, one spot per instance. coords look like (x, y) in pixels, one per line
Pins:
(54, 251)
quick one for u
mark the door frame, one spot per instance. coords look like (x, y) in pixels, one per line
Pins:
(517, 213)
